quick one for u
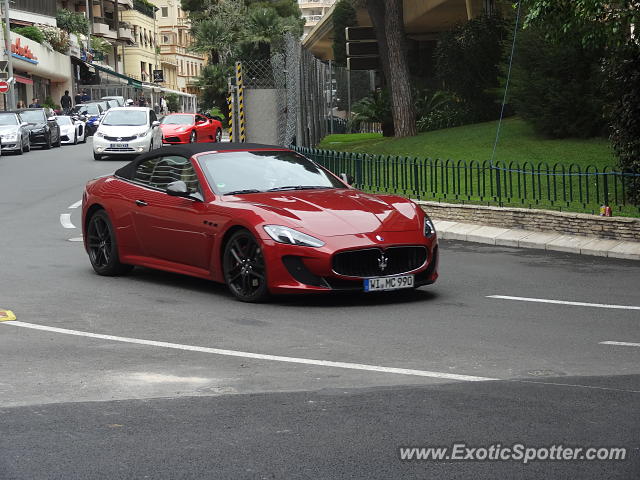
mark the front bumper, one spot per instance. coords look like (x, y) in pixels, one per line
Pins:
(39, 138)
(106, 147)
(10, 145)
(176, 138)
(294, 269)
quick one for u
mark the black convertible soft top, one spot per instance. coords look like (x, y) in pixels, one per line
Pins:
(188, 150)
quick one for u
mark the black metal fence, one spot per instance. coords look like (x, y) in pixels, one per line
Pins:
(559, 187)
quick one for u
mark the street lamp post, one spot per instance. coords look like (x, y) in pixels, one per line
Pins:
(11, 97)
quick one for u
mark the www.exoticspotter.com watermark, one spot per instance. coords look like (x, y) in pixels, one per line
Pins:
(517, 452)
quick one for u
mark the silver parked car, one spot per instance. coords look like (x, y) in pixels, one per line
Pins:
(14, 133)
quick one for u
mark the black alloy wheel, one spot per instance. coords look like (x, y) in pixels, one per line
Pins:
(218, 135)
(244, 269)
(194, 137)
(102, 246)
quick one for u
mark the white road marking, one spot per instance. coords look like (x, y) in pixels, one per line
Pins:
(257, 356)
(563, 302)
(76, 205)
(621, 344)
(75, 239)
(65, 220)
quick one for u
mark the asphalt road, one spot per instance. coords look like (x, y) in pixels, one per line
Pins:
(156, 375)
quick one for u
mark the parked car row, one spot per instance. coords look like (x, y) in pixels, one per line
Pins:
(39, 127)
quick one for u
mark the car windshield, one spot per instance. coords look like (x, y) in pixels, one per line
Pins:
(177, 120)
(90, 108)
(8, 119)
(63, 120)
(125, 118)
(262, 171)
(33, 116)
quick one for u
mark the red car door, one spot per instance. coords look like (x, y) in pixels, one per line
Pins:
(205, 129)
(173, 228)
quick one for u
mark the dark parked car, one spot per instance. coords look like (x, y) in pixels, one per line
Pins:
(42, 126)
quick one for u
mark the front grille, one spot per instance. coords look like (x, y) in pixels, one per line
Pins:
(119, 150)
(371, 262)
(171, 139)
(120, 139)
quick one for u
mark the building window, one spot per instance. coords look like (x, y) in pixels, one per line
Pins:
(164, 11)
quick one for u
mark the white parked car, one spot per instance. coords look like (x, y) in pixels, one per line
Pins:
(72, 130)
(127, 131)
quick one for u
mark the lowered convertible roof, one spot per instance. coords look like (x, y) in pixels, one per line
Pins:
(187, 151)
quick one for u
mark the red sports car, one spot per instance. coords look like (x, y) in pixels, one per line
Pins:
(259, 218)
(180, 128)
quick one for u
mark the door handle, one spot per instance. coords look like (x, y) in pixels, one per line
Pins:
(141, 203)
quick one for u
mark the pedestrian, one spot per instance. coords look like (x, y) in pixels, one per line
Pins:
(21, 104)
(65, 102)
(163, 105)
(85, 96)
(141, 101)
(78, 98)
(34, 103)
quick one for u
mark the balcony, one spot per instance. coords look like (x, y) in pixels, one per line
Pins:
(126, 3)
(184, 22)
(124, 33)
(100, 29)
(315, 3)
(312, 19)
(169, 60)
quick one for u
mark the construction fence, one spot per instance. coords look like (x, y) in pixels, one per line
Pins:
(295, 99)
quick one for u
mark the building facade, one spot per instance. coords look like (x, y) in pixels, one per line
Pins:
(174, 39)
(313, 11)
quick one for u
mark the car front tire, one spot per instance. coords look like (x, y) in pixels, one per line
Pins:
(102, 246)
(194, 137)
(97, 156)
(47, 144)
(218, 136)
(244, 268)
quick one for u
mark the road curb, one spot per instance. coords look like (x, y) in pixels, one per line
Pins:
(552, 241)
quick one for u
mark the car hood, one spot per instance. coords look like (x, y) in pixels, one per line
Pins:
(9, 128)
(35, 126)
(338, 211)
(122, 131)
(175, 128)
(67, 128)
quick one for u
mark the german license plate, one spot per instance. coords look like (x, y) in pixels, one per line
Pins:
(388, 283)
(119, 145)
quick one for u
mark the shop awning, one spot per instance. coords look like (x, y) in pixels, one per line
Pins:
(130, 81)
(21, 79)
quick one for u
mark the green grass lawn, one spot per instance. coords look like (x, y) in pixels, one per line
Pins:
(517, 143)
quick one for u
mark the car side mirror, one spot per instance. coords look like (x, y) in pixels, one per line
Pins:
(155, 124)
(178, 189)
(348, 179)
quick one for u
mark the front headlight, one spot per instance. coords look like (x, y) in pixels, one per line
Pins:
(143, 134)
(429, 228)
(9, 136)
(292, 237)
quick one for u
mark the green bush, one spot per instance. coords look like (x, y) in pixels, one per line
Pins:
(376, 108)
(32, 33)
(449, 115)
(50, 103)
(624, 86)
(467, 63)
(556, 85)
(172, 102)
(72, 22)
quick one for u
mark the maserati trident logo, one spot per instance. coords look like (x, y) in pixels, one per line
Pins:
(382, 262)
(119, 139)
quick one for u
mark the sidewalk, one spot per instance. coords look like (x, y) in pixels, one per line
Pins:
(582, 245)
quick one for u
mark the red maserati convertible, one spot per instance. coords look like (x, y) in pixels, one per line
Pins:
(259, 218)
(180, 128)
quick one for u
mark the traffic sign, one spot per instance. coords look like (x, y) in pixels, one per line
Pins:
(158, 76)
(4, 87)
(360, 34)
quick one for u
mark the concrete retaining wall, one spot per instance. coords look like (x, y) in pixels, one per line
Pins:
(618, 228)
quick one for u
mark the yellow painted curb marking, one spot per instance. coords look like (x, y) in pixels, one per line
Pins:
(6, 315)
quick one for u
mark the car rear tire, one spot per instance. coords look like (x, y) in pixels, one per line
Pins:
(102, 246)
(96, 156)
(28, 147)
(20, 150)
(218, 136)
(75, 138)
(194, 137)
(59, 142)
(244, 268)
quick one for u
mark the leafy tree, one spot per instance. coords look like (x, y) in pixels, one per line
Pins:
(32, 33)
(387, 18)
(467, 63)
(556, 85)
(606, 24)
(344, 15)
(72, 22)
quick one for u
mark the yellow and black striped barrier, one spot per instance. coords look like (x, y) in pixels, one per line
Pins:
(231, 109)
(242, 134)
